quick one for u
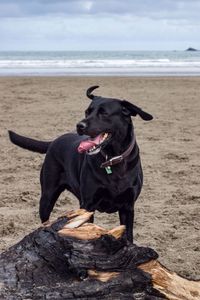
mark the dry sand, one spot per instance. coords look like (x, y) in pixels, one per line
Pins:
(168, 209)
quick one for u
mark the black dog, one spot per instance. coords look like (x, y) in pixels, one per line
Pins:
(100, 165)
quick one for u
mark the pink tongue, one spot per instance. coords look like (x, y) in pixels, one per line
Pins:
(88, 144)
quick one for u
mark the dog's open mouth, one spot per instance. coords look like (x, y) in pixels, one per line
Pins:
(94, 145)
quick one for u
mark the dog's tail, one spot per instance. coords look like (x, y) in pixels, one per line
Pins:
(28, 144)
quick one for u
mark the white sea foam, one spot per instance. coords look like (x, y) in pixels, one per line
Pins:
(95, 63)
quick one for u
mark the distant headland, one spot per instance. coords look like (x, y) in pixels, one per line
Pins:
(191, 49)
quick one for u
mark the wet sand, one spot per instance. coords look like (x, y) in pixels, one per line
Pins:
(168, 209)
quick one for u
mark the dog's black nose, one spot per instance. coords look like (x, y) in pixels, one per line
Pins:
(81, 126)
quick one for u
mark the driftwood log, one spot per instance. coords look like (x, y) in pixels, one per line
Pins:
(73, 259)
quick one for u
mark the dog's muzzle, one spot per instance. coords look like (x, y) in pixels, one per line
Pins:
(81, 127)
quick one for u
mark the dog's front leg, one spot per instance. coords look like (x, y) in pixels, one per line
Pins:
(127, 218)
(91, 219)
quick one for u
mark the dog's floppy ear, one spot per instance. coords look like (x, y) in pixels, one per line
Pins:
(133, 110)
(90, 90)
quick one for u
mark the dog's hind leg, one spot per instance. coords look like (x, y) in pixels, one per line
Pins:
(47, 202)
(51, 187)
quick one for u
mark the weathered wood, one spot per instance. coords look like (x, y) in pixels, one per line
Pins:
(171, 284)
(73, 259)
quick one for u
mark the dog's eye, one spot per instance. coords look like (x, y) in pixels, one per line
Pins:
(87, 112)
(102, 111)
(125, 111)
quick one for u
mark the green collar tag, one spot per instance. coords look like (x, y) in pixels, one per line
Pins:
(108, 170)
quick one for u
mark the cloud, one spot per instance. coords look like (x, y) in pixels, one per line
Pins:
(23, 8)
(81, 33)
(165, 9)
(95, 24)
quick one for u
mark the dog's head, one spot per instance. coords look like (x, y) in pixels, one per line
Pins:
(106, 119)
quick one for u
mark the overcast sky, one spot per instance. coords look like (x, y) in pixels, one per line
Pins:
(99, 24)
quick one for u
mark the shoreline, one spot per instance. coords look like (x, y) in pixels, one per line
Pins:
(164, 76)
(44, 107)
(110, 75)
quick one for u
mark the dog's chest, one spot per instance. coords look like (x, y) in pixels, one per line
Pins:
(110, 192)
(111, 196)
(112, 199)
(117, 186)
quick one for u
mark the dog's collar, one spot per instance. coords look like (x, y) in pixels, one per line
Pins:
(117, 159)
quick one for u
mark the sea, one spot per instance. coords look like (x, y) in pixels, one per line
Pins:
(100, 63)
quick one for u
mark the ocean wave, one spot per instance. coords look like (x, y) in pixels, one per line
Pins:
(88, 63)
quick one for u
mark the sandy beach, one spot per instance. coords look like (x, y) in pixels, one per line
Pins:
(168, 209)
